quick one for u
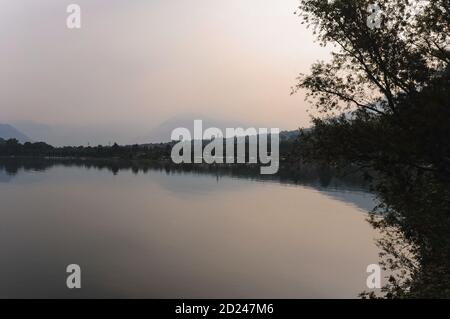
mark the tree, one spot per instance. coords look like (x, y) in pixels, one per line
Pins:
(384, 105)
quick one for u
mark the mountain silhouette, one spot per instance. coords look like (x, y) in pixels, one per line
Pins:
(162, 133)
(7, 132)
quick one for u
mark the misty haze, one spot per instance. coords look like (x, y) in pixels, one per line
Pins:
(107, 189)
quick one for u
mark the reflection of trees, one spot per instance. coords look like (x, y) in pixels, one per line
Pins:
(304, 174)
(11, 166)
(325, 176)
(416, 242)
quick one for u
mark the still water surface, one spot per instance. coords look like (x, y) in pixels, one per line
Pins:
(165, 234)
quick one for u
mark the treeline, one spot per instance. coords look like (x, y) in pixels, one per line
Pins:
(156, 152)
(12, 147)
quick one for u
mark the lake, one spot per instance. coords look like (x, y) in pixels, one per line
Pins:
(162, 233)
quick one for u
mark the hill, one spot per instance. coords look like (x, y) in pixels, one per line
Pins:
(7, 131)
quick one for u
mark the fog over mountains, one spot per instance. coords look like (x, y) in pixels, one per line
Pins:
(65, 135)
(68, 135)
(8, 131)
(61, 135)
(163, 132)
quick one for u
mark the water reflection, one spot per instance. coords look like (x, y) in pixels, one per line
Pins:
(149, 230)
(322, 178)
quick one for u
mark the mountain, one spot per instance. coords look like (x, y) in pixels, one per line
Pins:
(75, 135)
(162, 133)
(7, 131)
(289, 135)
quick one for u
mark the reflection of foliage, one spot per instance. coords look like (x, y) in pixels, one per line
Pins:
(392, 83)
(301, 174)
(416, 226)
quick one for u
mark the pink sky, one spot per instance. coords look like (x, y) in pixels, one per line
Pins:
(137, 63)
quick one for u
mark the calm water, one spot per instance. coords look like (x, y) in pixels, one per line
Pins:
(165, 234)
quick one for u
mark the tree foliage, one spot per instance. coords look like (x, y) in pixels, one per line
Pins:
(384, 104)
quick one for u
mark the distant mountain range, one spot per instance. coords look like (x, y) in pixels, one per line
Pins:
(162, 133)
(289, 135)
(59, 135)
(7, 132)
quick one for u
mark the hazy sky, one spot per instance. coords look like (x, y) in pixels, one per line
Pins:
(137, 63)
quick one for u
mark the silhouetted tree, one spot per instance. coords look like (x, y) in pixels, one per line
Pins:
(384, 103)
